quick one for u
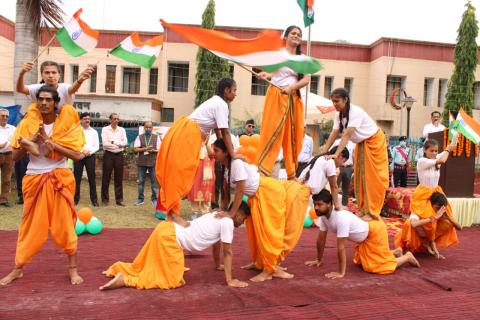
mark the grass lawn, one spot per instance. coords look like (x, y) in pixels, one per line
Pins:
(112, 216)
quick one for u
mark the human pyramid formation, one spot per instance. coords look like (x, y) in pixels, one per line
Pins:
(275, 210)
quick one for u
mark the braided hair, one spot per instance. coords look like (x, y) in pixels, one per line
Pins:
(219, 143)
(345, 113)
(345, 154)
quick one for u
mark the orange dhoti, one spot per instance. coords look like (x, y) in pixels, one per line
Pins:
(48, 205)
(441, 231)
(160, 263)
(282, 127)
(374, 253)
(177, 163)
(371, 174)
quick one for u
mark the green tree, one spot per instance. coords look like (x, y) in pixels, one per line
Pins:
(210, 68)
(460, 87)
(30, 17)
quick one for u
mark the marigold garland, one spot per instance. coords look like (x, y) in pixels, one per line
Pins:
(461, 139)
(468, 148)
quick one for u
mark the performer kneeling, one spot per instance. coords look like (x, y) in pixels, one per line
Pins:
(430, 226)
(372, 250)
(160, 263)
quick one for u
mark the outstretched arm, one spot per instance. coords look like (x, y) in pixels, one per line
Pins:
(321, 239)
(342, 260)
(237, 198)
(27, 66)
(332, 182)
(86, 74)
(331, 138)
(227, 260)
(347, 133)
(228, 141)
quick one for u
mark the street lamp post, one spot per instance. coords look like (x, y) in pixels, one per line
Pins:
(408, 103)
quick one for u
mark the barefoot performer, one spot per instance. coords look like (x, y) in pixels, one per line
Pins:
(370, 159)
(371, 252)
(282, 119)
(278, 209)
(431, 223)
(160, 263)
(48, 186)
(179, 154)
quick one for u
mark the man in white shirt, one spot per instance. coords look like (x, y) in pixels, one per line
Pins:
(160, 263)
(114, 141)
(91, 147)
(306, 153)
(372, 250)
(435, 126)
(6, 158)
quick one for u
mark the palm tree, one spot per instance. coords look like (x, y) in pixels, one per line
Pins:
(31, 16)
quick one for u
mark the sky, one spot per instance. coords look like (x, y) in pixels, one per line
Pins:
(355, 21)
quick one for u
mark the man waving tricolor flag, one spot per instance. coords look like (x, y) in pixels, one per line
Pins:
(142, 53)
(308, 13)
(76, 37)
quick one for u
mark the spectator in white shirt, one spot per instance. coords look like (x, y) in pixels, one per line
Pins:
(114, 141)
(435, 126)
(6, 158)
(306, 153)
(91, 147)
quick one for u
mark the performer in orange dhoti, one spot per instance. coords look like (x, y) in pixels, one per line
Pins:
(49, 185)
(282, 119)
(160, 263)
(371, 252)
(431, 224)
(179, 154)
(371, 155)
(278, 207)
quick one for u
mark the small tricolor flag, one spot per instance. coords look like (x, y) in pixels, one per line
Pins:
(142, 53)
(266, 51)
(76, 37)
(307, 9)
(466, 125)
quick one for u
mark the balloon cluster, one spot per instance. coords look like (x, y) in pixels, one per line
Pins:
(310, 217)
(249, 146)
(87, 222)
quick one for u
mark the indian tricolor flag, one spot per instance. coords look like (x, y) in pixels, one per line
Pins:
(267, 51)
(142, 53)
(307, 9)
(467, 126)
(76, 37)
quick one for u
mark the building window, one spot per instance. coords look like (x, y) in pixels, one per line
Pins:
(394, 82)
(110, 79)
(428, 92)
(178, 77)
(259, 87)
(82, 106)
(153, 81)
(230, 70)
(167, 115)
(62, 73)
(131, 80)
(314, 84)
(328, 87)
(348, 85)
(476, 95)
(74, 69)
(442, 92)
(93, 79)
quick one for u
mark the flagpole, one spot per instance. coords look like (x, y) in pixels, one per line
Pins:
(44, 49)
(309, 45)
(255, 74)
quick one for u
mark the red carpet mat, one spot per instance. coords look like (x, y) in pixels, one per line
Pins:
(45, 293)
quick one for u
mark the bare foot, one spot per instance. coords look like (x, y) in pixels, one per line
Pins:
(15, 274)
(280, 273)
(398, 252)
(250, 266)
(74, 276)
(115, 283)
(412, 260)
(439, 256)
(29, 146)
(282, 268)
(262, 276)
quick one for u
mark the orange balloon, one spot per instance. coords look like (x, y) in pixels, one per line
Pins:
(243, 140)
(312, 214)
(85, 214)
(252, 152)
(255, 141)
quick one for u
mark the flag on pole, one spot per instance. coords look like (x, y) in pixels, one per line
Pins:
(142, 53)
(467, 126)
(76, 37)
(266, 51)
(307, 9)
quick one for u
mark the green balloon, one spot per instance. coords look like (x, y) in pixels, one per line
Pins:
(307, 223)
(245, 198)
(79, 227)
(94, 226)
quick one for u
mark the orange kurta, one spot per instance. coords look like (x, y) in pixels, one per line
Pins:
(282, 127)
(177, 163)
(160, 263)
(266, 224)
(374, 253)
(371, 174)
(441, 231)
